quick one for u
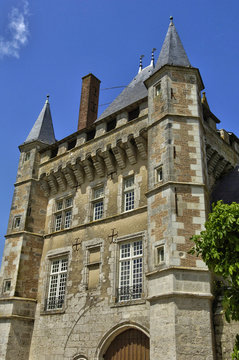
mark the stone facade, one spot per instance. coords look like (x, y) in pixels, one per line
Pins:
(100, 225)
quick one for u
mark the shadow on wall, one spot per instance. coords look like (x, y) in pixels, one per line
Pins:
(227, 188)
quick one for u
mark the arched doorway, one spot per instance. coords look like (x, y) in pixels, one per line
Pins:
(131, 344)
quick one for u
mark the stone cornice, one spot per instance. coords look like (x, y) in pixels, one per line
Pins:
(16, 298)
(17, 317)
(183, 294)
(18, 233)
(173, 183)
(167, 115)
(176, 268)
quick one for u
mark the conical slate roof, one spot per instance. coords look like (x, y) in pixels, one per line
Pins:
(172, 52)
(43, 128)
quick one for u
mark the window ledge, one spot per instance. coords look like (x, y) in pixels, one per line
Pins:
(52, 312)
(128, 303)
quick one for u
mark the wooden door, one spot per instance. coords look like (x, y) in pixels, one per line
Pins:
(132, 344)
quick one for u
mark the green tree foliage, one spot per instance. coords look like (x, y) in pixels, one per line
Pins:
(218, 245)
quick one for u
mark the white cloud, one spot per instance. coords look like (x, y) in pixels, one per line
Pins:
(18, 32)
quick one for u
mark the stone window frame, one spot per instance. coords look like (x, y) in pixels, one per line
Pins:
(159, 174)
(86, 246)
(51, 256)
(95, 200)
(7, 283)
(159, 246)
(27, 156)
(57, 284)
(16, 222)
(126, 192)
(117, 242)
(63, 211)
(157, 88)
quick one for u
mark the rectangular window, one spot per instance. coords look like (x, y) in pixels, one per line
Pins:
(7, 286)
(57, 284)
(129, 194)
(63, 214)
(160, 255)
(159, 174)
(93, 267)
(130, 271)
(157, 89)
(27, 156)
(98, 203)
(17, 221)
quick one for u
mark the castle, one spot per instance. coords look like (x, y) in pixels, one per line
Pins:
(96, 263)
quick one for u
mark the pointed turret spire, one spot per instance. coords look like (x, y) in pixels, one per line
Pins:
(43, 128)
(172, 52)
(152, 57)
(140, 63)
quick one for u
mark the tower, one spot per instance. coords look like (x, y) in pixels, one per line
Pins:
(177, 207)
(96, 263)
(24, 242)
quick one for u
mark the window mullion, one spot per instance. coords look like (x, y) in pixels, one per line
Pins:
(58, 280)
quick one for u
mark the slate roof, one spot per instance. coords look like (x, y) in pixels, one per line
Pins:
(134, 92)
(43, 128)
(172, 53)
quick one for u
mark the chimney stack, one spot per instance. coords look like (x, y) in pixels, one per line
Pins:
(89, 101)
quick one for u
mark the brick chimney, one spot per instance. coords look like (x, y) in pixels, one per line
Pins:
(89, 101)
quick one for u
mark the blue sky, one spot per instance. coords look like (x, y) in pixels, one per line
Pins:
(48, 46)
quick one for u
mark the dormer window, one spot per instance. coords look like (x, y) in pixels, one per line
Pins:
(71, 144)
(133, 114)
(54, 152)
(90, 135)
(111, 125)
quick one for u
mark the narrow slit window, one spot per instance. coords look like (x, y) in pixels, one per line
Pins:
(158, 89)
(17, 222)
(159, 174)
(160, 255)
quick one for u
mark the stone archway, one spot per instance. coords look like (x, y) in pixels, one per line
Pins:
(129, 344)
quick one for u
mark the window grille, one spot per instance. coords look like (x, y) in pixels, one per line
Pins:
(57, 284)
(98, 203)
(63, 214)
(130, 271)
(129, 194)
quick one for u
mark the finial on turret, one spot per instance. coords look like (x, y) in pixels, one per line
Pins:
(171, 20)
(47, 99)
(140, 63)
(152, 57)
